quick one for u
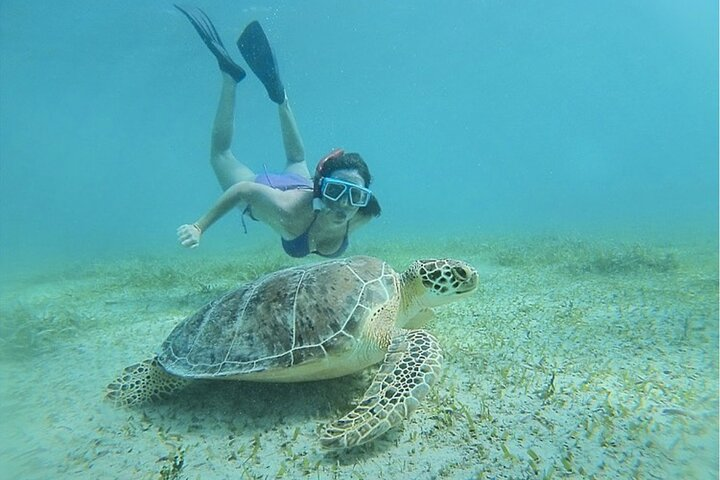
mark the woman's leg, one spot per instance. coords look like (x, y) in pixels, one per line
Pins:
(256, 51)
(228, 169)
(294, 149)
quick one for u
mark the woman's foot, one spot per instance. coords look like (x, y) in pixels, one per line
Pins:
(256, 51)
(209, 35)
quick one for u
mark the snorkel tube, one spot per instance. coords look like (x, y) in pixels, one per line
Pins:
(317, 202)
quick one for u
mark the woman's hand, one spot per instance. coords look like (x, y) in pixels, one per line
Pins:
(189, 235)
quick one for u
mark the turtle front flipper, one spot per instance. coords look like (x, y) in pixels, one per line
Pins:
(141, 383)
(411, 366)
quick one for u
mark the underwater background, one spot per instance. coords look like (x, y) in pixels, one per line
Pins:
(473, 116)
(569, 150)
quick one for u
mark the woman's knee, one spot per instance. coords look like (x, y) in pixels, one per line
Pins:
(228, 170)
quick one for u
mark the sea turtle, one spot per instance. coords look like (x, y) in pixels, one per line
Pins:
(314, 322)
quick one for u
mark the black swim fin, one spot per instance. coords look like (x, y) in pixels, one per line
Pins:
(256, 51)
(210, 36)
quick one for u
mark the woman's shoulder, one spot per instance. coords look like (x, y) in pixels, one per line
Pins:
(259, 192)
(284, 206)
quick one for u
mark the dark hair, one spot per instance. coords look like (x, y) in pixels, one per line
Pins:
(352, 161)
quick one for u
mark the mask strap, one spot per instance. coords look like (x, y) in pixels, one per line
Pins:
(317, 203)
(336, 153)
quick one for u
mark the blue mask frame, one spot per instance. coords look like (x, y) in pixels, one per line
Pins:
(334, 188)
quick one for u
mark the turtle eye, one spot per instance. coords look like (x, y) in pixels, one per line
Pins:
(460, 274)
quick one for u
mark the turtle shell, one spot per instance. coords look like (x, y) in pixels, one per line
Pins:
(280, 320)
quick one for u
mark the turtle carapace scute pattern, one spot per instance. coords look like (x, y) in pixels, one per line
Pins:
(279, 321)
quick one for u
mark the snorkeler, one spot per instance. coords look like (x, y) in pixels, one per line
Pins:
(312, 214)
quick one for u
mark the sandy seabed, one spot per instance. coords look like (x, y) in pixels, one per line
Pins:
(577, 358)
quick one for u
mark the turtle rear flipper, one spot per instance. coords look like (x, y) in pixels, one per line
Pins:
(411, 366)
(143, 382)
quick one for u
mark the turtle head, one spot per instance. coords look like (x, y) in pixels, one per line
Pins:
(436, 282)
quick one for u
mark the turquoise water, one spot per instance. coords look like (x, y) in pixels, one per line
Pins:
(568, 149)
(490, 115)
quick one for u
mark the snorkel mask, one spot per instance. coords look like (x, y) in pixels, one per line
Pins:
(334, 188)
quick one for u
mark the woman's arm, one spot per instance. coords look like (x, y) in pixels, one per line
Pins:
(189, 234)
